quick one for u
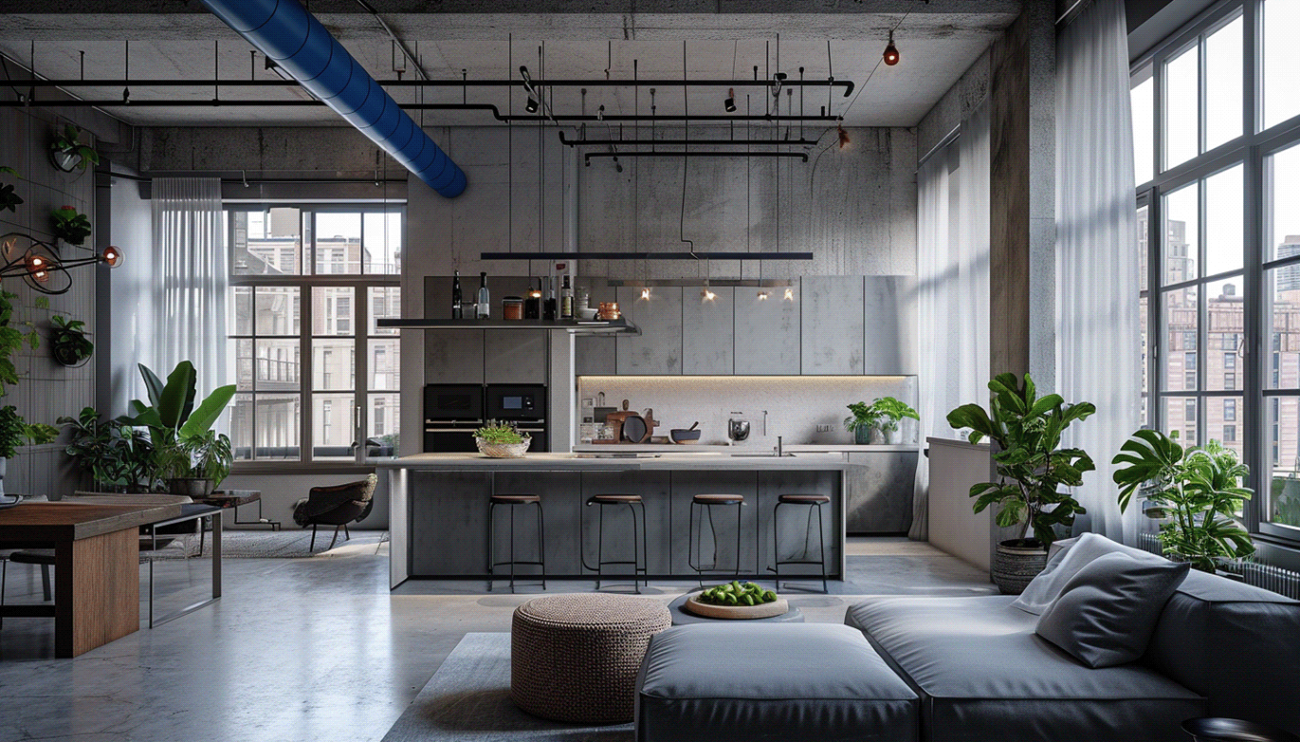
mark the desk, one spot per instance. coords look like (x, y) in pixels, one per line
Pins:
(97, 563)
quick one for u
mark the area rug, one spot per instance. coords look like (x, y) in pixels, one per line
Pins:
(468, 698)
(277, 545)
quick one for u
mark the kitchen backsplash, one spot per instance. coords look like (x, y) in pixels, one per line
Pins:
(802, 409)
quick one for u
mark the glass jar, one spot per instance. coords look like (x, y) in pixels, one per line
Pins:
(512, 307)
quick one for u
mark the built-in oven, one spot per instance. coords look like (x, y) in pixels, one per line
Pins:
(525, 406)
(452, 412)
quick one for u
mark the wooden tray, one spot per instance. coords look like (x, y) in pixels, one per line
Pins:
(777, 607)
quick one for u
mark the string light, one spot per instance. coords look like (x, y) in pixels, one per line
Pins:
(891, 55)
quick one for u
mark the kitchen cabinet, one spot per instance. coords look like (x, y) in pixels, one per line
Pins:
(594, 355)
(453, 356)
(767, 333)
(657, 351)
(831, 327)
(514, 357)
(878, 497)
(708, 332)
(890, 338)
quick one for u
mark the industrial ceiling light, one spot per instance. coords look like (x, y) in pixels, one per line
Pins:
(36, 263)
(843, 135)
(531, 105)
(600, 113)
(891, 55)
(730, 103)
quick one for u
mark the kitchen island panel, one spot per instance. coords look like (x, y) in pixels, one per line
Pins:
(437, 501)
(654, 489)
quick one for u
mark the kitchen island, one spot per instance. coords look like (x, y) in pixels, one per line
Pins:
(439, 520)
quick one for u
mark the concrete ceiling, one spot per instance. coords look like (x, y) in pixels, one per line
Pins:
(176, 39)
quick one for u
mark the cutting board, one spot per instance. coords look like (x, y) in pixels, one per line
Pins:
(778, 607)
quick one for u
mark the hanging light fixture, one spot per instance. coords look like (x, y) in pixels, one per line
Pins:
(531, 105)
(891, 55)
(38, 264)
(729, 105)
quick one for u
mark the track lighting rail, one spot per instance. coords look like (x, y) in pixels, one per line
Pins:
(586, 157)
(683, 142)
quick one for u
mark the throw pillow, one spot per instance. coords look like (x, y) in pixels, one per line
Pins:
(1061, 566)
(1108, 610)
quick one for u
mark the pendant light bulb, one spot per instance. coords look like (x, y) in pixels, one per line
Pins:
(112, 256)
(730, 103)
(600, 113)
(891, 55)
(843, 136)
(762, 296)
(789, 294)
(531, 105)
(645, 293)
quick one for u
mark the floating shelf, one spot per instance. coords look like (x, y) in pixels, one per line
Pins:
(575, 327)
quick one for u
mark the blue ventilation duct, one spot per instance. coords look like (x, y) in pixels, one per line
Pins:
(290, 36)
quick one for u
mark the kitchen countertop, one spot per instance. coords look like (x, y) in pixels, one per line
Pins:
(701, 461)
(748, 449)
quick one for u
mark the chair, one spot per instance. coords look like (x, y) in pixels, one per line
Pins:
(705, 504)
(336, 506)
(640, 556)
(512, 502)
(814, 503)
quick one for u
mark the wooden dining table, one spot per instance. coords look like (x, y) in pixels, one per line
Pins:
(97, 566)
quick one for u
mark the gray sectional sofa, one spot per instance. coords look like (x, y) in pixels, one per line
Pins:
(1219, 648)
(974, 668)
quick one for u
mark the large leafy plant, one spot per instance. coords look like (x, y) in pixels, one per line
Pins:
(1196, 493)
(1032, 467)
(13, 339)
(15, 431)
(180, 431)
(117, 454)
(884, 413)
(68, 143)
(70, 225)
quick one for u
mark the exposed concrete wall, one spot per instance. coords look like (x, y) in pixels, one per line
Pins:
(46, 390)
(970, 90)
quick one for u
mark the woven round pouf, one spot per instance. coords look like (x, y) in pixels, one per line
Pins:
(575, 658)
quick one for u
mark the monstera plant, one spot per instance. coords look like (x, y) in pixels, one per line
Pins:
(1196, 495)
(1032, 470)
(189, 458)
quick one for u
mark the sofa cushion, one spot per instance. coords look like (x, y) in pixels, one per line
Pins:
(982, 673)
(1065, 559)
(1107, 611)
(734, 680)
(1237, 644)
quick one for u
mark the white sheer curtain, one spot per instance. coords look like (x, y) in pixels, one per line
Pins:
(191, 279)
(1097, 262)
(953, 288)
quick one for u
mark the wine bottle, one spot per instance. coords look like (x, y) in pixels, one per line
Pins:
(549, 307)
(566, 299)
(457, 298)
(484, 308)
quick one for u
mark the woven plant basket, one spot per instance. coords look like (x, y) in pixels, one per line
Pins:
(503, 450)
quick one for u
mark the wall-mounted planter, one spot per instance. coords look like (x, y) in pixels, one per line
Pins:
(68, 153)
(69, 344)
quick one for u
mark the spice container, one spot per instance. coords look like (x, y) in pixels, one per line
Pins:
(512, 307)
(609, 310)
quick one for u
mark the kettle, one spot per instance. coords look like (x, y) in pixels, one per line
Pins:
(737, 430)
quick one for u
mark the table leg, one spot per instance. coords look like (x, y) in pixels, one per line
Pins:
(216, 554)
(97, 591)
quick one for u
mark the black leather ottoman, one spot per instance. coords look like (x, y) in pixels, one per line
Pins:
(789, 682)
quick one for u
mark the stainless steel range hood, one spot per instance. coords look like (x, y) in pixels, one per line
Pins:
(573, 327)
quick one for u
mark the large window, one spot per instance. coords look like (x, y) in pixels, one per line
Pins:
(1218, 176)
(319, 385)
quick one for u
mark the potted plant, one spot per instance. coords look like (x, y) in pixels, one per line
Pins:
(890, 412)
(501, 440)
(15, 432)
(116, 454)
(1032, 468)
(68, 153)
(9, 198)
(71, 226)
(863, 420)
(188, 456)
(69, 343)
(1195, 493)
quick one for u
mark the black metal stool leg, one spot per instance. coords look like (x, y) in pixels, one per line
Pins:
(600, 545)
(313, 538)
(739, 510)
(645, 552)
(821, 547)
(492, 555)
(636, 554)
(512, 550)
(541, 542)
(776, 545)
(45, 582)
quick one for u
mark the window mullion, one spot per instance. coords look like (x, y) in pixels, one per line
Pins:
(307, 295)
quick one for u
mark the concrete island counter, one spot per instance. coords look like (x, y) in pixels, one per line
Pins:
(439, 521)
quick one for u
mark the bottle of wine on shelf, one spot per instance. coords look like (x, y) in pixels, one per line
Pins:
(457, 298)
(483, 310)
(549, 308)
(566, 299)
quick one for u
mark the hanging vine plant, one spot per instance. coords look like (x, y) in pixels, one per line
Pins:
(69, 344)
(68, 153)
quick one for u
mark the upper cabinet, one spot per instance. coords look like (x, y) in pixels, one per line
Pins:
(767, 332)
(657, 351)
(832, 330)
(709, 332)
(890, 338)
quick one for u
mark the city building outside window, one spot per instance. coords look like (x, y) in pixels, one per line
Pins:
(315, 278)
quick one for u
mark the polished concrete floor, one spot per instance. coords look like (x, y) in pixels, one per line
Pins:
(305, 649)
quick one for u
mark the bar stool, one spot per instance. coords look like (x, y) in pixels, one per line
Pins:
(513, 502)
(631, 502)
(706, 503)
(814, 504)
